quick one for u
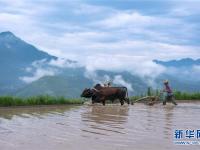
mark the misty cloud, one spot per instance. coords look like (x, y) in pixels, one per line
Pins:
(118, 80)
(41, 68)
(63, 63)
(106, 37)
(93, 75)
(39, 73)
(190, 73)
(136, 65)
(38, 69)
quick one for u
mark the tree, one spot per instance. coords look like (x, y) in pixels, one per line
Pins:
(149, 92)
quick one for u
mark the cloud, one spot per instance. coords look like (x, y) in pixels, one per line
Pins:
(96, 78)
(196, 68)
(63, 63)
(138, 65)
(120, 81)
(44, 67)
(117, 79)
(87, 9)
(75, 30)
(104, 37)
(37, 70)
(133, 19)
(184, 73)
(37, 75)
(185, 8)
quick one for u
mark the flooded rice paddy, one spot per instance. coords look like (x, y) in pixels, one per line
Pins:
(110, 127)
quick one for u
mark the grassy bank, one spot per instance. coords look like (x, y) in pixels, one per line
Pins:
(178, 95)
(36, 100)
(186, 96)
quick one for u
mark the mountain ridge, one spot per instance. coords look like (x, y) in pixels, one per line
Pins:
(184, 62)
(16, 55)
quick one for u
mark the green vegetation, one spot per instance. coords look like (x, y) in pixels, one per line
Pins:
(37, 100)
(149, 91)
(178, 95)
(50, 100)
(186, 96)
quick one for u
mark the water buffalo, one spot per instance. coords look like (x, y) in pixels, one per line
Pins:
(101, 94)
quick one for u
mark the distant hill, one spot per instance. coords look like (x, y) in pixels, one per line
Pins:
(72, 82)
(16, 56)
(56, 86)
(186, 62)
(182, 74)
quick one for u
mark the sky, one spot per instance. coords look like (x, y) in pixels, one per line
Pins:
(119, 35)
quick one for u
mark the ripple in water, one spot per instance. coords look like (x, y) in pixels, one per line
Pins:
(96, 127)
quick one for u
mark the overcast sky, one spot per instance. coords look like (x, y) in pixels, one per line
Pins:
(126, 34)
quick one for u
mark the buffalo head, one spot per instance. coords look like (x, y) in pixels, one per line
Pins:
(87, 93)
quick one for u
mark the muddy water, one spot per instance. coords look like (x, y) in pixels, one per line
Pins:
(110, 127)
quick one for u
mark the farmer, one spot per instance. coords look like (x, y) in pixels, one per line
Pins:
(169, 93)
(107, 84)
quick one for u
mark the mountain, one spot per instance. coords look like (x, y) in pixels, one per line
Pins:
(186, 62)
(71, 82)
(180, 83)
(56, 86)
(18, 50)
(183, 74)
(15, 56)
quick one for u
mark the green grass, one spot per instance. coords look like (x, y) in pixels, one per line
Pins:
(37, 100)
(186, 96)
(50, 100)
(178, 96)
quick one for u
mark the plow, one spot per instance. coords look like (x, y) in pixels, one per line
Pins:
(151, 100)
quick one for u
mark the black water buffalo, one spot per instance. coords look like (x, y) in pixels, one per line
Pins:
(101, 94)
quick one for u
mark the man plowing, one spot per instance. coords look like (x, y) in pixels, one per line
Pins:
(169, 93)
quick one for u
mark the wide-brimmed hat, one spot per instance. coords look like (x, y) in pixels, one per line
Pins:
(165, 81)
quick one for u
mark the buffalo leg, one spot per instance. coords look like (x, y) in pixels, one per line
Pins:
(127, 100)
(93, 99)
(122, 101)
(103, 102)
(164, 102)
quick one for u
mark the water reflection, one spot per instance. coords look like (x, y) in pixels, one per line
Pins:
(96, 127)
(168, 122)
(107, 114)
(105, 120)
(27, 112)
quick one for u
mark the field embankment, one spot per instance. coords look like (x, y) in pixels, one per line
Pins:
(36, 100)
(186, 96)
(177, 94)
